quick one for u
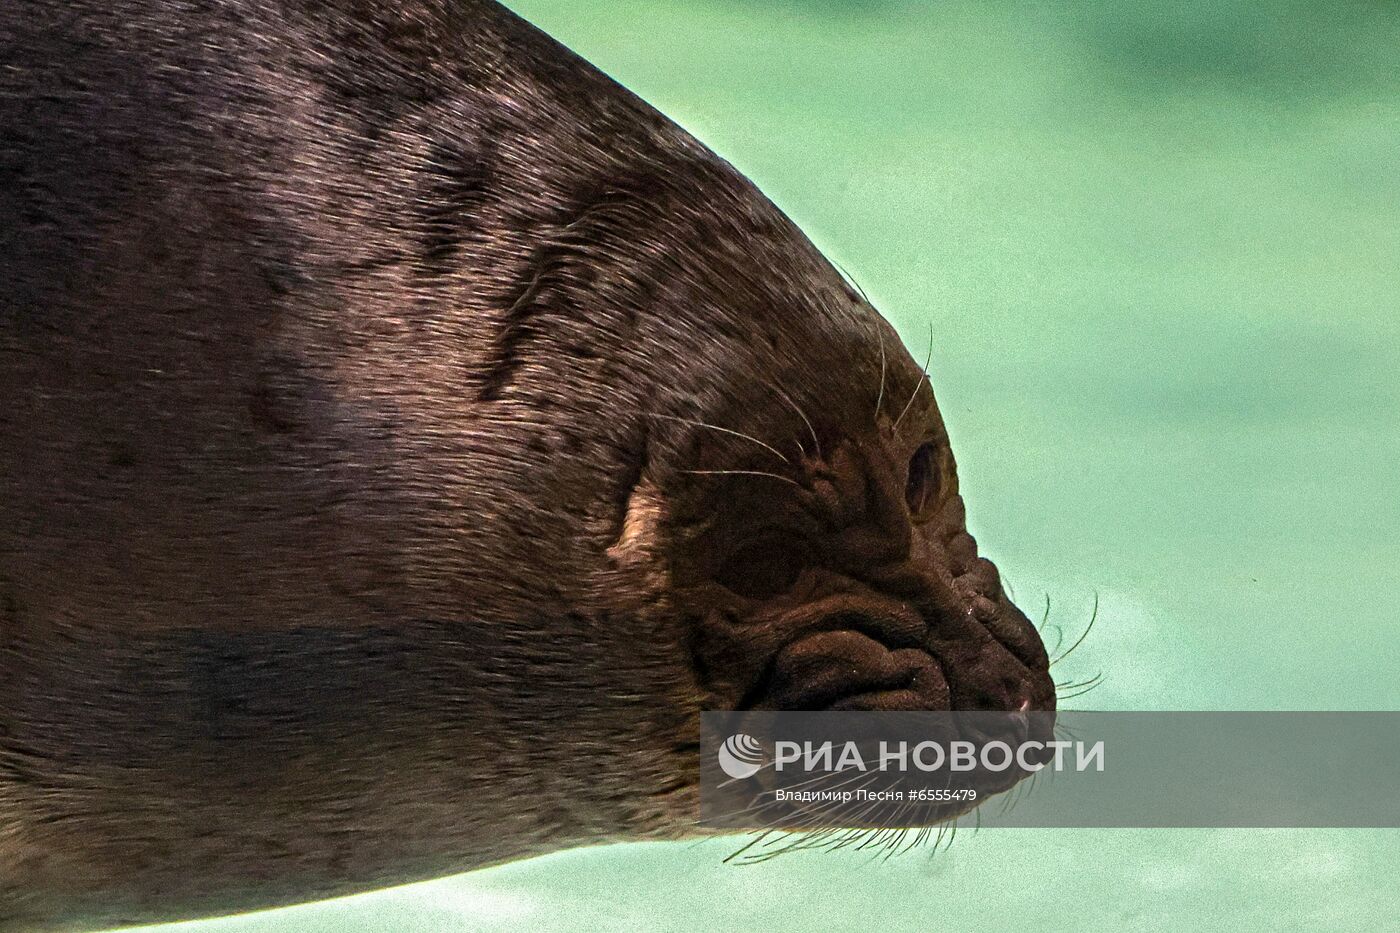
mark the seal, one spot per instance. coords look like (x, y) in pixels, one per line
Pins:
(407, 433)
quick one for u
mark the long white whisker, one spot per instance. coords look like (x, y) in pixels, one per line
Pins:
(880, 400)
(852, 280)
(816, 443)
(923, 376)
(743, 473)
(715, 427)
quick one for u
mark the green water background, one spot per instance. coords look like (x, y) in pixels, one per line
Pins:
(1159, 245)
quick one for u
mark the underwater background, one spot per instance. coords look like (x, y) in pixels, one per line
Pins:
(1159, 248)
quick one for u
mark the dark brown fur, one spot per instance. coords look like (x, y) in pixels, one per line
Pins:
(364, 514)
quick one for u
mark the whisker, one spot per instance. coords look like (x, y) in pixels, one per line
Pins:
(1093, 617)
(892, 845)
(1063, 731)
(852, 281)
(880, 399)
(873, 836)
(924, 375)
(1080, 689)
(715, 427)
(1079, 683)
(919, 839)
(744, 473)
(1017, 793)
(816, 442)
(749, 845)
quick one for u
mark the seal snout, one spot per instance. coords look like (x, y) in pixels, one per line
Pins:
(862, 591)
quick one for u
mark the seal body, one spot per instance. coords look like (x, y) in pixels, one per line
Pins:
(406, 433)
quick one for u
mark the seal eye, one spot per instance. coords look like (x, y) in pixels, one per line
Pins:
(921, 488)
(762, 569)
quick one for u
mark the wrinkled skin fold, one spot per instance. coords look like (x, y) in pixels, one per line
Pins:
(407, 434)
